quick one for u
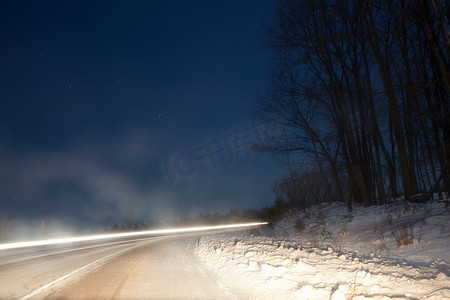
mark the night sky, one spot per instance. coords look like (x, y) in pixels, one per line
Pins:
(143, 108)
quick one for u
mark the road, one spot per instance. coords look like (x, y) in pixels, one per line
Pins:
(146, 268)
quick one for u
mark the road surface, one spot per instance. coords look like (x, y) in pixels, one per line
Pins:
(146, 268)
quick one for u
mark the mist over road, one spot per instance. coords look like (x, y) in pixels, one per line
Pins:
(163, 267)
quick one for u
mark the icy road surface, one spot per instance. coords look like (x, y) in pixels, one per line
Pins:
(151, 268)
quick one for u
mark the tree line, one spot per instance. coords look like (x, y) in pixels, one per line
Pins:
(203, 219)
(361, 89)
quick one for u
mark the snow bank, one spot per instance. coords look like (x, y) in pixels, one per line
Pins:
(327, 261)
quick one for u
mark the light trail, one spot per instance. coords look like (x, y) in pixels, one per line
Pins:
(119, 235)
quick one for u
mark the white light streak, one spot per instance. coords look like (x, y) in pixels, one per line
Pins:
(119, 235)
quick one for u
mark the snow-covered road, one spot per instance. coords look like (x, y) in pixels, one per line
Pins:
(166, 269)
(152, 268)
(336, 254)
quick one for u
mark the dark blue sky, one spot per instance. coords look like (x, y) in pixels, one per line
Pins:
(98, 100)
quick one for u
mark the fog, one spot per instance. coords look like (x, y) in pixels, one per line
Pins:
(94, 184)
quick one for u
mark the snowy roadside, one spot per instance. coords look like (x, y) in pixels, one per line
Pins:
(339, 255)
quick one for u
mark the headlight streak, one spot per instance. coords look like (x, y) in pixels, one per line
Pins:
(120, 235)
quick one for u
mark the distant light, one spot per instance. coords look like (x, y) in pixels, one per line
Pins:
(118, 235)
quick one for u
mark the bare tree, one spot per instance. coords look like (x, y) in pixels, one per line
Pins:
(361, 90)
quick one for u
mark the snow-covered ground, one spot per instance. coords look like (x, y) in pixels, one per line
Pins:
(395, 251)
